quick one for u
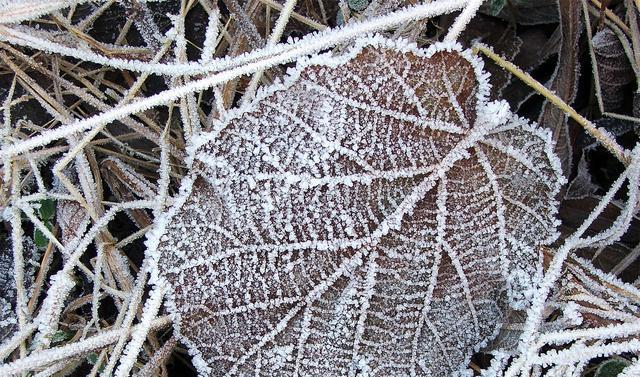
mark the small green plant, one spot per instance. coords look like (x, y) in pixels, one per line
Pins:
(61, 336)
(611, 368)
(46, 213)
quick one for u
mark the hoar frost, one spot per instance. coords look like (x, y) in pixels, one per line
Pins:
(368, 215)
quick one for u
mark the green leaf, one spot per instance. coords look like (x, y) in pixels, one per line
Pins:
(39, 238)
(92, 358)
(358, 5)
(47, 209)
(493, 7)
(61, 336)
(611, 368)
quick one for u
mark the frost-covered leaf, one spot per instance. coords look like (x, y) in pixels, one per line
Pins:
(47, 209)
(72, 219)
(46, 213)
(8, 295)
(61, 336)
(39, 238)
(565, 81)
(614, 69)
(372, 214)
(71, 216)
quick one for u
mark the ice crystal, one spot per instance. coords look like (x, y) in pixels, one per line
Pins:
(8, 294)
(372, 214)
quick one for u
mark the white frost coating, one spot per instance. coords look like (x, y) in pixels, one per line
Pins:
(211, 37)
(581, 352)
(15, 11)
(61, 285)
(230, 68)
(310, 43)
(49, 356)
(632, 370)
(528, 346)
(463, 19)
(138, 336)
(369, 199)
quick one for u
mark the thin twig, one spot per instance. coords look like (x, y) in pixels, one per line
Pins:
(613, 17)
(602, 136)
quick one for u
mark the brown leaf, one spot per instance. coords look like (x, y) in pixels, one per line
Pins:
(564, 81)
(614, 68)
(373, 213)
(72, 219)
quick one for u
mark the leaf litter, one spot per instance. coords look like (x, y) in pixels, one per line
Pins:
(337, 223)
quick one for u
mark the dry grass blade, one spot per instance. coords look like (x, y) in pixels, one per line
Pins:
(15, 11)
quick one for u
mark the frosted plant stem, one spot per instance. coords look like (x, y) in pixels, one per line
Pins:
(134, 302)
(138, 234)
(82, 94)
(49, 356)
(17, 11)
(607, 332)
(463, 20)
(306, 46)
(88, 21)
(283, 19)
(535, 313)
(151, 308)
(95, 297)
(575, 354)
(164, 169)
(211, 36)
(57, 285)
(604, 138)
(55, 368)
(79, 146)
(315, 42)
(37, 176)
(6, 109)
(14, 342)
(613, 17)
(158, 358)
(18, 259)
(52, 307)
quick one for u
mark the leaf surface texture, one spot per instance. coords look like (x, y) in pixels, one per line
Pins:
(372, 214)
